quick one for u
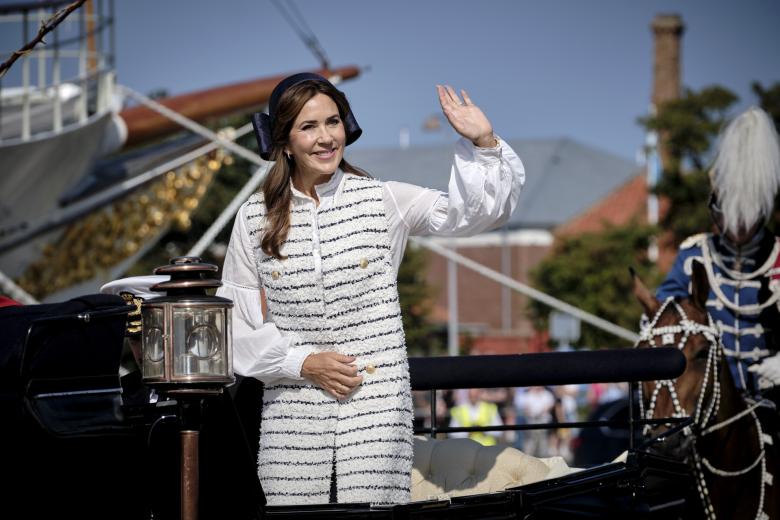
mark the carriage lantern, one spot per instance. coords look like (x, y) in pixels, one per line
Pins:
(186, 333)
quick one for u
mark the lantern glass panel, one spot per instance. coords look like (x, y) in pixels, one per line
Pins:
(153, 342)
(199, 341)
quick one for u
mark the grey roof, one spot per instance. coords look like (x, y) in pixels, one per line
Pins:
(563, 177)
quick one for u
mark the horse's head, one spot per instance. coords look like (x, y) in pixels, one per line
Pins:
(686, 325)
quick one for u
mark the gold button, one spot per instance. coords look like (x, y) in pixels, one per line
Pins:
(275, 275)
(363, 263)
(370, 369)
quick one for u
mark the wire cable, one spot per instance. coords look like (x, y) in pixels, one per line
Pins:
(298, 24)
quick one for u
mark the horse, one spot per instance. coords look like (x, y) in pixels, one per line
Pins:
(732, 445)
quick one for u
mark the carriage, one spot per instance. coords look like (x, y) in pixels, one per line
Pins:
(74, 447)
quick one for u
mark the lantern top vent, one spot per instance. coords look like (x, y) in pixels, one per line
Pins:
(189, 276)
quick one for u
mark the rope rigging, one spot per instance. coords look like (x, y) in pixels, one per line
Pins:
(293, 16)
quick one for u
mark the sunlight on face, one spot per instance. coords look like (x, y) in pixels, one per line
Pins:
(317, 138)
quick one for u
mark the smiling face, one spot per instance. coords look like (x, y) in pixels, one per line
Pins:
(317, 138)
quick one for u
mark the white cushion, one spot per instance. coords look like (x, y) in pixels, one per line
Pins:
(458, 467)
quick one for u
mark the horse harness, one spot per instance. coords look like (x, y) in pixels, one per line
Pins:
(704, 414)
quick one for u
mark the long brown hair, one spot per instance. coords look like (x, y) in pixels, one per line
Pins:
(276, 186)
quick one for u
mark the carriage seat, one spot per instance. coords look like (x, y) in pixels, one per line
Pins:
(458, 467)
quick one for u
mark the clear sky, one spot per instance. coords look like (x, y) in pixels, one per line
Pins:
(545, 68)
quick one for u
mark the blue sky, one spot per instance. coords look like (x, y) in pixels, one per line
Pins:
(580, 69)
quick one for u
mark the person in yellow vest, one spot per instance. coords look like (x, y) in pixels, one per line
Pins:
(476, 412)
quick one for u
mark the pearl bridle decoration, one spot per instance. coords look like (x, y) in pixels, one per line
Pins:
(685, 328)
(703, 414)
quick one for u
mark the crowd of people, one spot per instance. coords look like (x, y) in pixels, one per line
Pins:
(534, 405)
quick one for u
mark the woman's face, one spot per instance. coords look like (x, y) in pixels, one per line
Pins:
(317, 137)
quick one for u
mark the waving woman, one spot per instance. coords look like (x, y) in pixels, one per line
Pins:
(323, 241)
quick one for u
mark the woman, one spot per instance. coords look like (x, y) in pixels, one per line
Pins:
(324, 241)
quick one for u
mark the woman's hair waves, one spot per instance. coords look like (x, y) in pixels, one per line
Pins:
(276, 186)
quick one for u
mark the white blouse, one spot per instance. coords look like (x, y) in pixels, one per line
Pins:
(483, 190)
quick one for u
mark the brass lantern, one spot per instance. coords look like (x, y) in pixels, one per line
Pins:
(186, 341)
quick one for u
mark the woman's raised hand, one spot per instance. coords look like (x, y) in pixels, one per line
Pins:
(466, 117)
(333, 372)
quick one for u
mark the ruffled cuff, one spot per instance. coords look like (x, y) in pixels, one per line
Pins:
(481, 155)
(293, 362)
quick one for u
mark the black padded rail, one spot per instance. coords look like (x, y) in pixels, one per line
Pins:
(548, 368)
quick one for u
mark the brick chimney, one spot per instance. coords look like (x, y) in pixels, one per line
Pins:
(667, 33)
(667, 30)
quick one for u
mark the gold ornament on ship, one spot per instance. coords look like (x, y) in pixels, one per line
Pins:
(113, 233)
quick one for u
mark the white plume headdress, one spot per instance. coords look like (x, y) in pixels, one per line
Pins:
(746, 173)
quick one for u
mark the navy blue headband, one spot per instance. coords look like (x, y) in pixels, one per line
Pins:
(263, 123)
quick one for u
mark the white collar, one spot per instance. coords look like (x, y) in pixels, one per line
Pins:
(326, 189)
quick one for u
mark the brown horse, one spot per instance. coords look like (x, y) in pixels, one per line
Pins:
(732, 445)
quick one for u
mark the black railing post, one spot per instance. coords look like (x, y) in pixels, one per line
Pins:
(631, 425)
(433, 413)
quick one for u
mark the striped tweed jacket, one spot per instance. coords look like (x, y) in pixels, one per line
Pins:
(350, 307)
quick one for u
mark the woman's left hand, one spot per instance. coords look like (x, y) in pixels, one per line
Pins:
(466, 117)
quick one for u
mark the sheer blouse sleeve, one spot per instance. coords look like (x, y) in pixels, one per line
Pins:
(260, 350)
(483, 191)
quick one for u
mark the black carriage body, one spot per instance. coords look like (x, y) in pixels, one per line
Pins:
(77, 441)
(64, 436)
(73, 447)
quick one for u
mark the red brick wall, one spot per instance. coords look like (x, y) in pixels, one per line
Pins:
(479, 298)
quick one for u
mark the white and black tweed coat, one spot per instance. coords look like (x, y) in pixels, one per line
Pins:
(350, 307)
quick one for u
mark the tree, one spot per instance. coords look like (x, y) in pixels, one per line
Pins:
(178, 240)
(769, 99)
(422, 337)
(689, 127)
(590, 271)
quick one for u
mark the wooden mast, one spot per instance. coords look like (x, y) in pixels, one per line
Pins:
(144, 124)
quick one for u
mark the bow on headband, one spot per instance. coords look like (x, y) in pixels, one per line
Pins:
(263, 123)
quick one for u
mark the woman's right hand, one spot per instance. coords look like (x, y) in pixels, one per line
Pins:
(333, 372)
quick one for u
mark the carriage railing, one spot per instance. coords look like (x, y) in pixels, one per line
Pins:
(61, 82)
(548, 369)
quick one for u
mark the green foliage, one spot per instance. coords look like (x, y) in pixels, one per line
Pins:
(769, 99)
(688, 128)
(689, 124)
(590, 271)
(688, 193)
(422, 338)
(226, 184)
